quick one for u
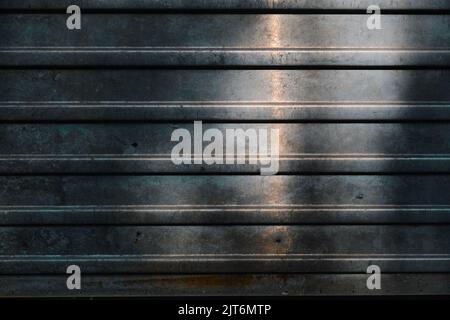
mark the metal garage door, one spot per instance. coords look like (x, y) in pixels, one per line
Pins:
(87, 177)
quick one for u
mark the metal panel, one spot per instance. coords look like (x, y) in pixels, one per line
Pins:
(180, 86)
(224, 39)
(146, 148)
(227, 285)
(225, 111)
(220, 263)
(238, 240)
(85, 170)
(207, 199)
(62, 94)
(229, 57)
(223, 32)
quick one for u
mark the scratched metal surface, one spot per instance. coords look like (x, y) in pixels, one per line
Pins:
(226, 4)
(224, 94)
(225, 40)
(146, 148)
(85, 170)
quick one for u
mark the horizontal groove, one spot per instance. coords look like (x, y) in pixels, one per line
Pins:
(167, 157)
(222, 174)
(133, 120)
(362, 10)
(299, 207)
(229, 4)
(208, 49)
(202, 10)
(26, 104)
(273, 67)
(171, 257)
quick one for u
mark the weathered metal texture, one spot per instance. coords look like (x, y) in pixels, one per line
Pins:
(236, 249)
(227, 285)
(233, 199)
(230, 57)
(86, 119)
(225, 32)
(238, 240)
(224, 39)
(200, 86)
(89, 94)
(173, 264)
(223, 111)
(226, 4)
(146, 148)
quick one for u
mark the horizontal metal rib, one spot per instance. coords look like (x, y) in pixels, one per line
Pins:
(236, 240)
(216, 111)
(293, 86)
(257, 200)
(222, 57)
(145, 164)
(184, 199)
(216, 263)
(218, 190)
(225, 4)
(224, 31)
(226, 285)
(146, 148)
(223, 215)
(224, 40)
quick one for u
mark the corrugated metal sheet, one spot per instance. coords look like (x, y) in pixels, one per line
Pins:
(86, 175)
